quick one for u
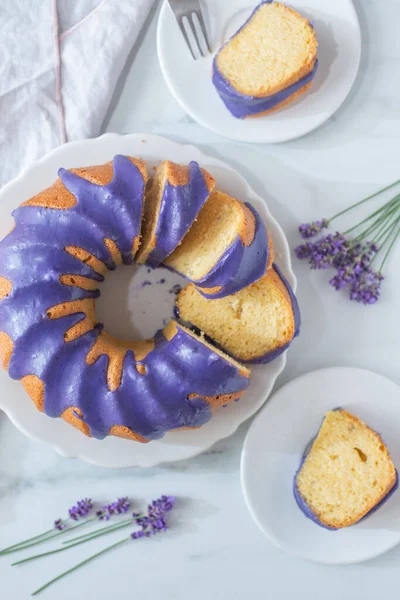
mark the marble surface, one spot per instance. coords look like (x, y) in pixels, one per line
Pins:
(214, 549)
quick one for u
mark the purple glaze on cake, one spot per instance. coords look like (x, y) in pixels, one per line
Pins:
(306, 509)
(179, 207)
(32, 257)
(297, 323)
(239, 266)
(241, 105)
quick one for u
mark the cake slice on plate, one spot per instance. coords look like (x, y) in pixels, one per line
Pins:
(270, 61)
(226, 249)
(346, 474)
(173, 201)
(254, 325)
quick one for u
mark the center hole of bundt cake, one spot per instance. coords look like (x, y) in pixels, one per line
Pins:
(135, 301)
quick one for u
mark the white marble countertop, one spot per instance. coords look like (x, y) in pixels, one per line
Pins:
(214, 549)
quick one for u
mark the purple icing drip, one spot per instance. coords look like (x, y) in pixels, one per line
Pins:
(240, 105)
(32, 257)
(239, 266)
(297, 322)
(306, 509)
(179, 207)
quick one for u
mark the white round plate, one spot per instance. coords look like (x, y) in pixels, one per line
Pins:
(272, 453)
(339, 37)
(141, 312)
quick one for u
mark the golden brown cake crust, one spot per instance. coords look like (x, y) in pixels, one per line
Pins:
(176, 175)
(6, 348)
(57, 196)
(124, 432)
(73, 416)
(5, 287)
(85, 306)
(116, 351)
(84, 256)
(35, 388)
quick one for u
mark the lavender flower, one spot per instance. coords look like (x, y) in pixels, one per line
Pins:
(82, 509)
(59, 524)
(366, 288)
(308, 230)
(352, 258)
(343, 277)
(304, 250)
(121, 506)
(322, 252)
(154, 521)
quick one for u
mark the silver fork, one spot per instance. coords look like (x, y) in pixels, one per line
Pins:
(187, 9)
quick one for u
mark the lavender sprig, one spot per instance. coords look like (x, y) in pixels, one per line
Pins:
(82, 509)
(352, 257)
(150, 524)
(309, 230)
(121, 506)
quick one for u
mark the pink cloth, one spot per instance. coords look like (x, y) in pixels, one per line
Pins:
(59, 63)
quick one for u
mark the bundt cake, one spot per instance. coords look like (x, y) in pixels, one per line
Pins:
(268, 63)
(346, 474)
(226, 249)
(63, 242)
(172, 203)
(254, 325)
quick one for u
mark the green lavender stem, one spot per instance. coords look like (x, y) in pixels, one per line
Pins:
(385, 231)
(382, 228)
(381, 215)
(39, 539)
(100, 529)
(86, 539)
(84, 562)
(389, 249)
(383, 209)
(376, 227)
(342, 212)
(34, 537)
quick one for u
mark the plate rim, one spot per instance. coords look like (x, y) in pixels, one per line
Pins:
(65, 449)
(243, 138)
(244, 456)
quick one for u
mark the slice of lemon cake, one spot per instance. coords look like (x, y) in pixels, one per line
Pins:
(346, 474)
(173, 201)
(226, 249)
(270, 61)
(254, 325)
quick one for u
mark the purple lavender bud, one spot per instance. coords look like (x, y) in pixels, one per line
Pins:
(137, 534)
(82, 509)
(59, 524)
(304, 250)
(154, 521)
(308, 230)
(366, 288)
(121, 506)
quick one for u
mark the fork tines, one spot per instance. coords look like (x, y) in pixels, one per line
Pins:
(191, 22)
